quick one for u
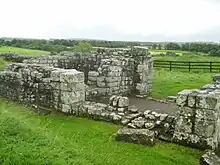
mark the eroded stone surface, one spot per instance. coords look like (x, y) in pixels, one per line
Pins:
(209, 158)
(138, 136)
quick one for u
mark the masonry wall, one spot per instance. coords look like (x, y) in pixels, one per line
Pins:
(43, 86)
(107, 71)
(198, 119)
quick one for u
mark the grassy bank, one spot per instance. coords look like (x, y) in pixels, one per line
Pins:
(27, 138)
(169, 83)
(21, 51)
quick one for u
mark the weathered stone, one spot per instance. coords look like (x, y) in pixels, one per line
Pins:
(123, 102)
(183, 124)
(163, 117)
(149, 125)
(138, 136)
(208, 101)
(131, 125)
(182, 96)
(210, 158)
(151, 117)
(204, 128)
(206, 114)
(133, 109)
(146, 112)
(139, 122)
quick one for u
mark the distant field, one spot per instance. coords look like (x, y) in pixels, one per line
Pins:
(184, 56)
(169, 83)
(21, 51)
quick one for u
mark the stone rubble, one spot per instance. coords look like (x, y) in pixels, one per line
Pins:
(107, 71)
(210, 158)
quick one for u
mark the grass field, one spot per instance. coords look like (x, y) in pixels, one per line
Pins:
(21, 51)
(3, 64)
(27, 138)
(169, 83)
(184, 56)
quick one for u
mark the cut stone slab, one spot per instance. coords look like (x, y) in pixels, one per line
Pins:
(137, 136)
(210, 158)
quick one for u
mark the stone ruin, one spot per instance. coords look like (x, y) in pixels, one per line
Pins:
(74, 83)
(107, 71)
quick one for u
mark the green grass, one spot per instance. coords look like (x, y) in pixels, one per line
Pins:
(3, 64)
(184, 56)
(29, 139)
(21, 51)
(169, 83)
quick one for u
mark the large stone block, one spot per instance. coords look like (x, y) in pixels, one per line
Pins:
(209, 158)
(183, 124)
(206, 114)
(182, 97)
(123, 102)
(72, 76)
(210, 100)
(205, 128)
(138, 136)
(194, 140)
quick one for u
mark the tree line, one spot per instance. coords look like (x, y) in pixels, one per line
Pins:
(213, 49)
(58, 45)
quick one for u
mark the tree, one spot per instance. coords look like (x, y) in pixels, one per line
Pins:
(159, 47)
(172, 46)
(83, 47)
(154, 46)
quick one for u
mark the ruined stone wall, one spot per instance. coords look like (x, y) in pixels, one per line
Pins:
(198, 119)
(15, 57)
(108, 71)
(43, 86)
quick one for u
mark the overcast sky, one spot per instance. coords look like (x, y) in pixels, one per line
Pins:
(111, 19)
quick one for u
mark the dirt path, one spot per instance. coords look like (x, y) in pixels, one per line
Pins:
(143, 104)
(146, 104)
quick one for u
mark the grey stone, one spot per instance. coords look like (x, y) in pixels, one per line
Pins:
(210, 158)
(138, 136)
(149, 125)
(123, 102)
(133, 109)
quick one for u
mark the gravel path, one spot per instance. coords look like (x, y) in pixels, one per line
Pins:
(143, 104)
(146, 104)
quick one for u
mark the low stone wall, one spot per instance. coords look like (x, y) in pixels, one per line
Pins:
(43, 86)
(108, 71)
(15, 57)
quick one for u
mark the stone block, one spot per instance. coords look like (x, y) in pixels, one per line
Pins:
(209, 100)
(183, 124)
(205, 128)
(137, 136)
(123, 102)
(209, 158)
(93, 74)
(206, 114)
(182, 97)
(72, 76)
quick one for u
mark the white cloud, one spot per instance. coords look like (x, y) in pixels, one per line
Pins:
(65, 18)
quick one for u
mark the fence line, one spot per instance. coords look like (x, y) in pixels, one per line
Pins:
(188, 65)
